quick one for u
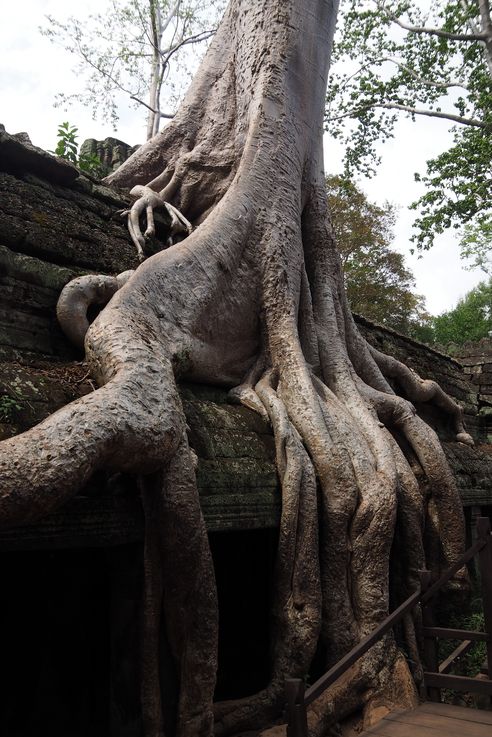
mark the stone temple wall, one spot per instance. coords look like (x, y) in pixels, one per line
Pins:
(56, 224)
(476, 359)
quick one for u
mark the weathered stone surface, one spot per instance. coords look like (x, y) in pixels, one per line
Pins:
(476, 359)
(111, 152)
(53, 227)
(18, 154)
(63, 225)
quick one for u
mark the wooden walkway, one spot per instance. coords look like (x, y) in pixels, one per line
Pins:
(434, 720)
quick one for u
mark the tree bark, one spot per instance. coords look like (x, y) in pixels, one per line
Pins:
(253, 299)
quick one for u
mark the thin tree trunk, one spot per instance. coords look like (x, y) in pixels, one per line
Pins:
(153, 117)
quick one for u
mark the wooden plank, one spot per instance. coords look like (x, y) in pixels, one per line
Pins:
(459, 652)
(431, 655)
(297, 725)
(445, 725)
(445, 633)
(449, 573)
(392, 728)
(458, 683)
(458, 712)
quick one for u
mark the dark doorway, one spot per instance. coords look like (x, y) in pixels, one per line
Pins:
(244, 571)
(54, 642)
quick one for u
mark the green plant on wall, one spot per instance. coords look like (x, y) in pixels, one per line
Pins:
(8, 407)
(67, 147)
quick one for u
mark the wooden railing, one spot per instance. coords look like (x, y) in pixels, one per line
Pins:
(436, 676)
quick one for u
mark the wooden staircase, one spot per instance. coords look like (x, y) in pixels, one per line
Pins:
(432, 716)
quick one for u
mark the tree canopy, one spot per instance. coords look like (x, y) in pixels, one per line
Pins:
(378, 284)
(471, 319)
(417, 59)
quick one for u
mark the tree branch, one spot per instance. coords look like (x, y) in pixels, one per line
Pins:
(421, 80)
(432, 114)
(157, 112)
(438, 31)
(486, 21)
(414, 111)
(202, 36)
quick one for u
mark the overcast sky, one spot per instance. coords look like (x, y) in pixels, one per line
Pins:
(32, 71)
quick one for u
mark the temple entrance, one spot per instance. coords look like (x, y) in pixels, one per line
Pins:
(54, 640)
(243, 563)
(69, 631)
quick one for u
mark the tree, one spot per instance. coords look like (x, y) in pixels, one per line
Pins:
(476, 244)
(378, 284)
(252, 299)
(129, 49)
(471, 319)
(406, 58)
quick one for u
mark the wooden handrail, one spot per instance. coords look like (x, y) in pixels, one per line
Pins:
(459, 652)
(446, 633)
(360, 649)
(298, 699)
(448, 575)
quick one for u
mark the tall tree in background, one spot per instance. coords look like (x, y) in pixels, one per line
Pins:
(395, 57)
(377, 282)
(253, 299)
(130, 48)
(471, 319)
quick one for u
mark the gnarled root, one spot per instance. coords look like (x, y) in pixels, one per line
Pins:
(80, 294)
(379, 683)
(180, 612)
(48, 464)
(148, 200)
(296, 618)
(422, 390)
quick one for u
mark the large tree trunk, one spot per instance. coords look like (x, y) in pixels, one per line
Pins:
(253, 299)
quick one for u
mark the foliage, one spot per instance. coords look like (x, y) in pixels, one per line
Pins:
(67, 148)
(476, 240)
(378, 284)
(470, 618)
(471, 319)
(127, 50)
(9, 406)
(396, 57)
(66, 145)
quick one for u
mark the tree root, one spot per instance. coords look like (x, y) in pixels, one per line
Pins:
(80, 294)
(148, 201)
(422, 390)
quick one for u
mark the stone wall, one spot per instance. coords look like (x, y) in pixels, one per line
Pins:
(56, 224)
(476, 359)
(111, 152)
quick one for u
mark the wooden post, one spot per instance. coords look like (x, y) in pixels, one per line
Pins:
(431, 658)
(296, 708)
(474, 565)
(485, 558)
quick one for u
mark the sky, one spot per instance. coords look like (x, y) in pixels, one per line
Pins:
(32, 71)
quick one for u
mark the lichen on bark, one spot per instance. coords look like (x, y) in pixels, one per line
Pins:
(253, 299)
